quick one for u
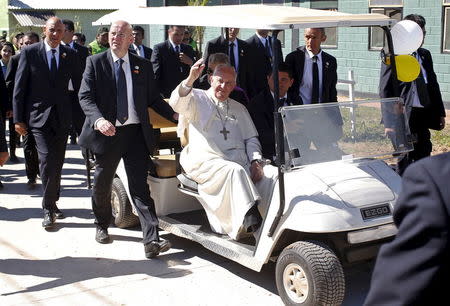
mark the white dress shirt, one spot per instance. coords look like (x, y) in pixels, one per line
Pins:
(306, 83)
(48, 52)
(283, 97)
(174, 45)
(132, 115)
(139, 50)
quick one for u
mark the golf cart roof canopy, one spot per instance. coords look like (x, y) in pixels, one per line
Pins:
(251, 16)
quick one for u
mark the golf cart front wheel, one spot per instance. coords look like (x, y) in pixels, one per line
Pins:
(121, 207)
(309, 273)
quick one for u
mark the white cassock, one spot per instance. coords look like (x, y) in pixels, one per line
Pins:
(220, 166)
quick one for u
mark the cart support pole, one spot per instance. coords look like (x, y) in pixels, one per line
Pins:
(391, 54)
(279, 135)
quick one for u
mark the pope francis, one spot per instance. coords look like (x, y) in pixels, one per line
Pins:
(223, 154)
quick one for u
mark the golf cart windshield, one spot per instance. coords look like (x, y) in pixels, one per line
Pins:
(344, 131)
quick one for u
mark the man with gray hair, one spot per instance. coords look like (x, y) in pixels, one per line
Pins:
(204, 82)
(116, 90)
(224, 154)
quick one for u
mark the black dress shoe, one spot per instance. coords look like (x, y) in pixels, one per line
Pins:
(49, 220)
(31, 184)
(101, 235)
(13, 159)
(152, 249)
(58, 214)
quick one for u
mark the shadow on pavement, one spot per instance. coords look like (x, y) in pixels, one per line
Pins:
(264, 279)
(23, 214)
(69, 270)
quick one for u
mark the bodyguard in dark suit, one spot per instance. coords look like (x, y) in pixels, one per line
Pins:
(116, 90)
(137, 46)
(42, 106)
(261, 54)
(3, 148)
(302, 63)
(262, 106)
(424, 108)
(172, 61)
(315, 79)
(239, 57)
(82, 53)
(414, 269)
(29, 144)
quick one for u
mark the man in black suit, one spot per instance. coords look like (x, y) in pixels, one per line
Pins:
(261, 54)
(116, 90)
(309, 61)
(315, 79)
(29, 144)
(3, 148)
(137, 46)
(238, 52)
(422, 98)
(79, 38)
(42, 106)
(172, 61)
(262, 106)
(83, 53)
(414, 268)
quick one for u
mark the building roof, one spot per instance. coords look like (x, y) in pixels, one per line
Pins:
(73, 5)
(33, 18)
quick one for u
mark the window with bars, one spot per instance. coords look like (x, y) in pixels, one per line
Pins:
(235, 2)
(377, 38)
(446, 26)
(328, 5)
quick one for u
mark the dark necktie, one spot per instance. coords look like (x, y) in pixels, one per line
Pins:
(53, 67)
(281, 102)
(177, 49)
(267, 47)
(422, 88)
(315, 83)
(232, 59)
(122, 97)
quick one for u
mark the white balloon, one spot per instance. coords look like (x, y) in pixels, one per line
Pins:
(407, 37)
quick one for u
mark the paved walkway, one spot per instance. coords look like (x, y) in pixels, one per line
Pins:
(67, 267)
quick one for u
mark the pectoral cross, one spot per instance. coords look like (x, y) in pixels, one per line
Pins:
(224, 131)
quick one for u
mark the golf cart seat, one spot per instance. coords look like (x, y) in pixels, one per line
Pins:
(164, 131)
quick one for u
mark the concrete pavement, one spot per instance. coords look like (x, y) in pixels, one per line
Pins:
(66, 266)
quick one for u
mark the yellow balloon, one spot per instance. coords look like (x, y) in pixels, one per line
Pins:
(408, 68)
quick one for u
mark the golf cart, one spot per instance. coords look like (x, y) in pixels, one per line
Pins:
(328, 209)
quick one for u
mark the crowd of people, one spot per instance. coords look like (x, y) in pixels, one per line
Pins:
(223, 103)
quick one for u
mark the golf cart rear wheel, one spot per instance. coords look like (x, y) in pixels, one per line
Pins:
(309, 273)
(121, 207)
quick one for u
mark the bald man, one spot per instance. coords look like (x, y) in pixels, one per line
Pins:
(116, 90)
(42, 106)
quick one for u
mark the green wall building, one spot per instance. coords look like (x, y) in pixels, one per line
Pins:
(357, 49)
